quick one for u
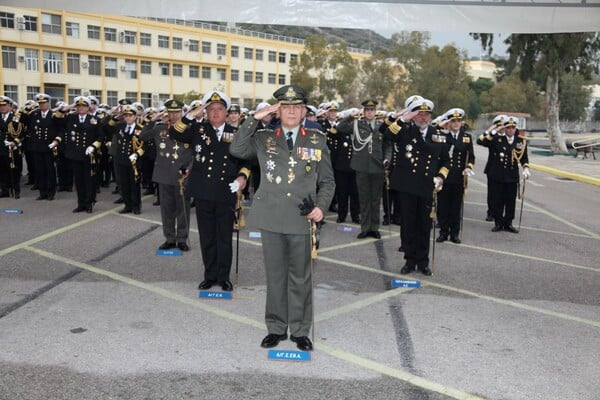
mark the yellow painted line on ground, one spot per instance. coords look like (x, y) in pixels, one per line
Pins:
(396, 373)
(577, 177)
(469, 293)
(335, 352)
(357, 305)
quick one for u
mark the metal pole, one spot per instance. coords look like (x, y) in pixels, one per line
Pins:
(432, 215)
(522, 201)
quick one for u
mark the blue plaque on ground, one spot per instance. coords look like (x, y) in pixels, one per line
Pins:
(289, 355)
(215, 295)
(12, 211)
(254, 235)
(345, 228)
(405, 283)
(169, 252)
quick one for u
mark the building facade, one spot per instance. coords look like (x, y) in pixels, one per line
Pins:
(67, 54)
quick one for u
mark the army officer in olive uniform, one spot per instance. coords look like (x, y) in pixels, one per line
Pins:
(294, 161)
(171, 156)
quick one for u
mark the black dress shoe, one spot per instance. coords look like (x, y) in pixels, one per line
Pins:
(375, 234)
(79, 209)
(116, 191)
(119, 201)
(89, 209)
(41, 197)
(489, 218)
(362, 235)
(125, 210)
(401, 248)
(206, 284)
(227, 286)
(340, 220)
(147, 192)
(69, 189)
(61, 189)
(17, 195)
(510, 228)
(156, 203)
(497, 228)
(183, 246)
(272, 340)
(386, 221)
(50, 197)
(407, 269)
(136, 211)
(356, 220)
(442, 238)
(455, 239)
(302, 342)
(35, 187)
(425, 271)
(167, 246)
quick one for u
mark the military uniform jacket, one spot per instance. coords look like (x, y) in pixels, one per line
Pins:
(330, 130)
(459, 150)
(41, 131)
(126, 144)
(171, 156)
(77, 137)
(213, 167)
(504, 158)
(367, 145)
(287, 177)
(341, 140)
(421, 159)
(12, 130)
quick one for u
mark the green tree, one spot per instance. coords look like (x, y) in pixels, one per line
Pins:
(550, 55)
(511, 95)
(379, 77)
(573, 97)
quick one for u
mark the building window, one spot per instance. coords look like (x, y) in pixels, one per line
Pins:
(72, 94)
(94, 65)
(259, 54)
(73, 63)
(163, 41)
(235, 51)
(93, 32)
(32, 60)
(110, 67)
(97, 94)
(112, 97)
(293, 57)
(206, 47)
(32, 91)
(272, 79)
(282, 58)
(12, 92)
(247, 76)
(206, 72)
(177, 70)
(7, 20)
(146, 67)
(146, 99)
(131, 96)
(272, 56)
(31, 23)
(221, 74)
(131, 69)
(235, 75)
(53, 62)
(51, 23)
(130, 37)
(194, 45)
(177, 43)
(194, 71)
(281, 79)
(258, 77)
(248, 53)
(145, 39)
(164, 68)
(72, 29)
(9, 57)
(221, 49)
(110, 34)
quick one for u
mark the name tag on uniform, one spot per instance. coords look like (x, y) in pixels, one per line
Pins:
(289, 355)
(174, 252)
(406, 283)
(215, 295)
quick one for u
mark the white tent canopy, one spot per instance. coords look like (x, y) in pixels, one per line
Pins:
(489, 16)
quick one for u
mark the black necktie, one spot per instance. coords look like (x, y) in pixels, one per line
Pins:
(290, 141)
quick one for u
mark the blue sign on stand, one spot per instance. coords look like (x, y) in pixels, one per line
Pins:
(12, 211)
(215, 295)
(345, 228)
(406, 283)
(169, 252)
(254, 235)
(289, 355)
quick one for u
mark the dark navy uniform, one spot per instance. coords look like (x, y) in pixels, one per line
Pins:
(13, 131)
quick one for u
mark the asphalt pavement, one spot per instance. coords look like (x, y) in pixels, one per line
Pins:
(89, 311)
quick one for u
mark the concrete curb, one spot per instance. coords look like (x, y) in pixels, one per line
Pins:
(565, 174)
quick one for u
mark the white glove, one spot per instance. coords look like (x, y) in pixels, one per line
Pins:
(468, 172)
(6, 143)
(108, 144)
(52, 145)
(234, 186)
(354, 112)
(437, 183)
(89, 150)
(133, 157)
(526, 173)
